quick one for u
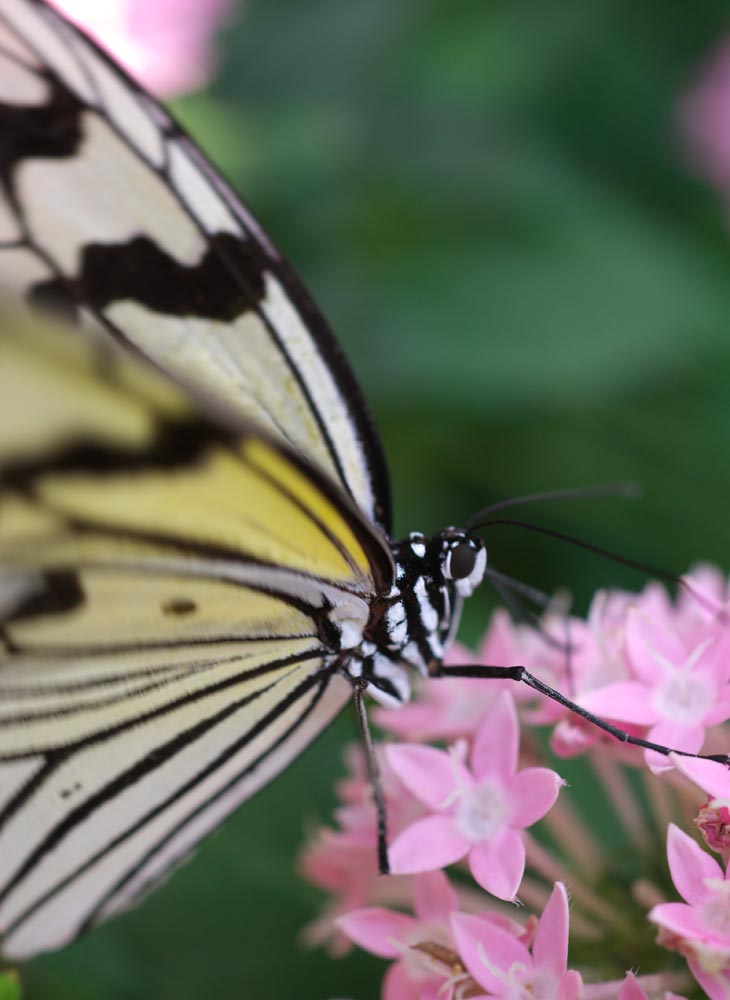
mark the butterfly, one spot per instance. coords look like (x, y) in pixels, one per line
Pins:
(194, 502)
(196, 568)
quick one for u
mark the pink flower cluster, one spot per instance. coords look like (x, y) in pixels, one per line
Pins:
(657, 668)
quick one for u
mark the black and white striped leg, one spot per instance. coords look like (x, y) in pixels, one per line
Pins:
(359, 688)
(519, 674)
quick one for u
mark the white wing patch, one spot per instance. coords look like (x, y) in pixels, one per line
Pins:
(114, 212)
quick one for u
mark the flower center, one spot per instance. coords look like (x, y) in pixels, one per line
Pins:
(426, 952)
(481, 811)
(683, 699)
(521, 981)
(716, 910)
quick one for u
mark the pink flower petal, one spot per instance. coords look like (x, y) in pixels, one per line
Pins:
(429, 843)
(681, 919)
(648, 641)
(433, 989)
(496, 744)
(550, 947)
(625, 701)
(498, 647)
(630, 989)
(502, 950)
(689, 866)
(717, 987)
(434, 900)
(498, 864)
(720, 709)
(570, 986)
(398, 985)
(712, 777)
(676, 737)
(532, 793)
(430, 774)
(377, 930)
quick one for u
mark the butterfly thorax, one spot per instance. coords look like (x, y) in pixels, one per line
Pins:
(411, 626)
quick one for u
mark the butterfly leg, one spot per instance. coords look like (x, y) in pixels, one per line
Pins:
(359, 688)
(520, 674)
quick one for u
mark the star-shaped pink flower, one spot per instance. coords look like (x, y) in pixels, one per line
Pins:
(414, 975)
(677, 690)
(505, 967)
(477, 811)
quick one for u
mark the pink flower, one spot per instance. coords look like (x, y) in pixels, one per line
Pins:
(678, 691)
(703, 601)
(165, 44)
(699, 928)
(420, 944)
(630, 990)
(452, 707)
(477, 810)
(597, 660)
(505, 967)
(344, 861)
(704, 118)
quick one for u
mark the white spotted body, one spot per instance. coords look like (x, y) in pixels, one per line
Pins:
(413, 625)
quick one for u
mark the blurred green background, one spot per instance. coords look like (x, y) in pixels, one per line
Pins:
(490, 202)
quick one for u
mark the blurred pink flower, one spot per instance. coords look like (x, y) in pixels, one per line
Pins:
(505, 967)
(699, 928)
(476, 811)
(597, 660)
(165, 44)
(704, 119)
(344, 861)
(631, 990)
(677, 690)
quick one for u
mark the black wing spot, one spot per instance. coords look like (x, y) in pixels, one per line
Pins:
(67, 792)
(179, 606)
(227, 281)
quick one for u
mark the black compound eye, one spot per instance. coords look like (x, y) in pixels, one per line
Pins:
(462, 560)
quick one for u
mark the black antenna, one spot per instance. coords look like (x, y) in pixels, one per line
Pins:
(629, 491)
(580, 543)
(508, 588)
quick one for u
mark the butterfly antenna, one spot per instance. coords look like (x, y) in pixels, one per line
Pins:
(657, 571)
(628, 491)
(509, 588)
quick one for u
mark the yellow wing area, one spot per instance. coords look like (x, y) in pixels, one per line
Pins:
(166, 580)
(116, 448)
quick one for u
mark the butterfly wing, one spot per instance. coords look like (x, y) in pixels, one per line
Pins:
(174, 590)
(109, 210)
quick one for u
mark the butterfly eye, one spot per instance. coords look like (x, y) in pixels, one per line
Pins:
(461, 561)
(465, 562)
